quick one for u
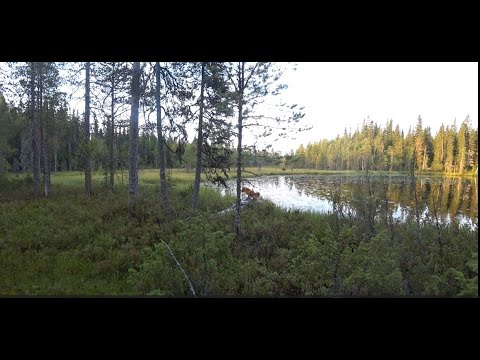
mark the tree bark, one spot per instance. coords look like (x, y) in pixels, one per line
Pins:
(69, 155)
(133, 173)
(46, 168)
(241, 81)
(43, 136)
(198, 169)
(112, 135)
(88, 170)
(35, 134)
(160, 143)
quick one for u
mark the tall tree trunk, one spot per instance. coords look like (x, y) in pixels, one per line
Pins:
(198, 169)
(43, 135)
(46, 167)
(161, 147)
(112, 136)
(35, 134)
(46, 159)
(69, 155)
(55, 160)
(133, 173)
(88, 170)
(241, 82)
(40, 118)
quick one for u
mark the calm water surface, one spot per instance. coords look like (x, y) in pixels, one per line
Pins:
(451, 199)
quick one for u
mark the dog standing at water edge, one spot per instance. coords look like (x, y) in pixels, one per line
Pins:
(250, 193)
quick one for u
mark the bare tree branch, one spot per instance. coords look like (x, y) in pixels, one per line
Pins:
(250, 75)
(192, 290)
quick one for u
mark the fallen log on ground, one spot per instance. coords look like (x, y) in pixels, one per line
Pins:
(243, 203)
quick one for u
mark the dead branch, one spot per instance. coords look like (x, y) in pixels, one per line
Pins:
(243, 203)
(192, 290)
(248, 172)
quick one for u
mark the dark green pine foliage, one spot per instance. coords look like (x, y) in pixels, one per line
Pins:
(449, 150)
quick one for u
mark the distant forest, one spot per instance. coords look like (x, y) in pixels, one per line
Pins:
(65, 134)
(451, 149)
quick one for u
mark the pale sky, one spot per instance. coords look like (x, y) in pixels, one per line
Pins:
(342, 94)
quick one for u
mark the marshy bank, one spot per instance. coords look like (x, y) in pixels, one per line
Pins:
(72, 245)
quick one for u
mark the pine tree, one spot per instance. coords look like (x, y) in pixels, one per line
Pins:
(419, 145)
(462, 146)
(87, 167)
(439, 144)
(198, 168)
(49, 98)
(428, 148)
(4, 133)
(409, 152)
(133, 171)
(251, 83)
(473, 150)
(160, 142)
(451, 148)
(111, 78)
(35, 131)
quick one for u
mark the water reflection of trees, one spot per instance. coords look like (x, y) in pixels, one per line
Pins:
(447, 198)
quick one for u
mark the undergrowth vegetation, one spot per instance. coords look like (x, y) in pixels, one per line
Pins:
(68, 244)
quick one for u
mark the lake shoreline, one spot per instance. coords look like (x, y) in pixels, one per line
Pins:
(270, 171)
(250, 172)
(448, 198)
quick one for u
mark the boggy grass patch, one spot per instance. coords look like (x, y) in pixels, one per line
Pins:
(72, 245)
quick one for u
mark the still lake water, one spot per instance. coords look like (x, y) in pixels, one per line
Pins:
(452, 199)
